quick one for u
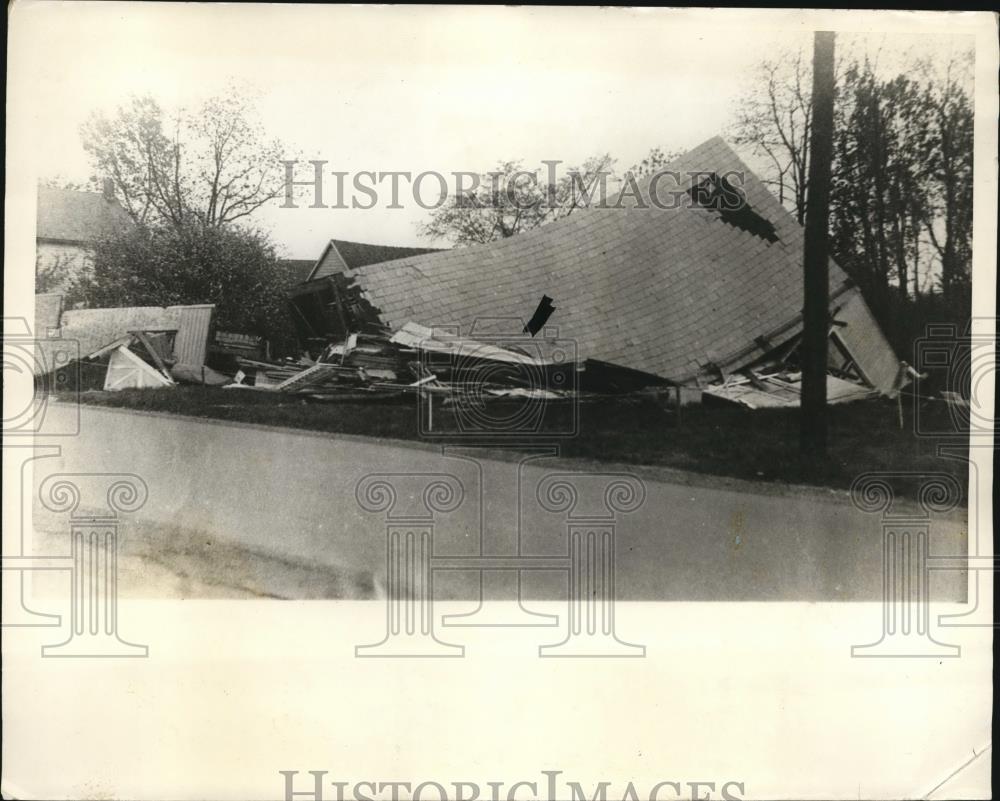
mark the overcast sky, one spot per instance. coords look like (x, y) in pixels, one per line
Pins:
(411, 89)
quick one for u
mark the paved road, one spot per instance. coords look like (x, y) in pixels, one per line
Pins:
(275, 513)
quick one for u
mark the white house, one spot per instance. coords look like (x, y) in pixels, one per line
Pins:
(68, 223)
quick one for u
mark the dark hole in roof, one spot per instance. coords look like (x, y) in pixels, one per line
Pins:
(718, 194)
(540, 317)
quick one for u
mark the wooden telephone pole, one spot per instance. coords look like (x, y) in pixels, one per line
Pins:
(816, 309)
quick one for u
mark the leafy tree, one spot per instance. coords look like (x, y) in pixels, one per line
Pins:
(215, 166)
(51, 275)
(878, 204)
(949, 104)
(509, 200)
(236, 268)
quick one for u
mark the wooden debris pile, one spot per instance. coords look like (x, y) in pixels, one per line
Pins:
(142, 360)
(412, 360)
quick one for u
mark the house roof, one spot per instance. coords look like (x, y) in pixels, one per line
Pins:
(341, 255)
(674, 292)
(70, 216)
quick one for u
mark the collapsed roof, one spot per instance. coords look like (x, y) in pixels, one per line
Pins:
(340, 255)
(70, 334)
(685, 294)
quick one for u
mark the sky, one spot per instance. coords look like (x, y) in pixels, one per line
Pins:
(412, 88)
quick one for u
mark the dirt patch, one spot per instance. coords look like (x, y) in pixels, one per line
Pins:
(159, 561)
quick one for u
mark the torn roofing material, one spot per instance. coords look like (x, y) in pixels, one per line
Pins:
(777, 391)
(679, 293)
(865, 343)
(418, 337)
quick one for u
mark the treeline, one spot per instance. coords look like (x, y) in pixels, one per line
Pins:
(901, 201)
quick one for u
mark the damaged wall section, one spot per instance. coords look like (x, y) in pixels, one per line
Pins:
(329, 309)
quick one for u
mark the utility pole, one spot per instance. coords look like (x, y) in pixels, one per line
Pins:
(816, 308)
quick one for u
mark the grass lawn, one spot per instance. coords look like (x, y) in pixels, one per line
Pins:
(758, 445)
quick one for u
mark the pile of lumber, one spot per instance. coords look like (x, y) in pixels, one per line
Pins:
(378, 363)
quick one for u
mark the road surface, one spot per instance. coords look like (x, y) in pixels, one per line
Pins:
(239, 510)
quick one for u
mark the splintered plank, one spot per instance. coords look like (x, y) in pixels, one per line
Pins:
(311, 375)
(153, 352)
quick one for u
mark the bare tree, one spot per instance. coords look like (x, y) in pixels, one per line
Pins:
(215, 166)
(774, 120)
(655, 160)
(510, 200)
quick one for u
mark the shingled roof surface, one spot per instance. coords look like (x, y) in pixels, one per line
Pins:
(669, 292)
(340, 254)
(67, 215)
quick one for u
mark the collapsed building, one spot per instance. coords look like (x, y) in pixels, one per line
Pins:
(322, 308)
(670, 285)
(138, 347)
